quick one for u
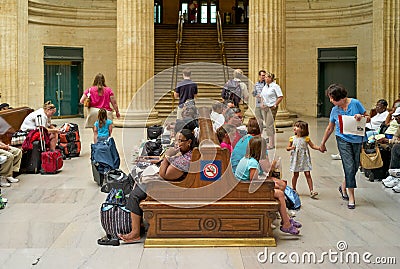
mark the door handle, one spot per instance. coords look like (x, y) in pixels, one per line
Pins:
(56, 95)
(61, 95)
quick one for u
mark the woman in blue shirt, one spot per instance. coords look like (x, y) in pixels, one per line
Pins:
(349, 145)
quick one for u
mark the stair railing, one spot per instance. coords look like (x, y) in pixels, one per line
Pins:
(222, 47)
(178, 43)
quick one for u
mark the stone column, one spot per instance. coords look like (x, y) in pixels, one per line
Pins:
(14, 52)
(386, 50)
(135, 64)
(267, 47)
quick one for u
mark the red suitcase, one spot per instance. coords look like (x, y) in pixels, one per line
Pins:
(52, 161)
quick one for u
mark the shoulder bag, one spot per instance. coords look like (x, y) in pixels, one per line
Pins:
(87, 100)
(371, 160)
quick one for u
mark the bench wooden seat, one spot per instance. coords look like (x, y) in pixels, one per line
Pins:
(209, 207)
(15, 117)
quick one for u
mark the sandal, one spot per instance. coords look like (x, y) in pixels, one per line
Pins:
(313, 194)
(108, 240)
(344, 196)
(294, 223)
(292, 230)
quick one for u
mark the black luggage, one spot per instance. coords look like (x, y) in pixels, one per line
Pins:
(97, 176)
(117, 179)
(382, 172)
(153, 132)
(31, 162)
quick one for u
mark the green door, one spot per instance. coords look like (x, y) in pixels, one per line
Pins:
(61, 86)
(336, 65)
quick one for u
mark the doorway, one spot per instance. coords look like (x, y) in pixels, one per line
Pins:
(199, 11)
(336, 65)
(63, 84)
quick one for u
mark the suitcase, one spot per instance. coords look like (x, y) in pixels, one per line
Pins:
(69, 132)
(70, 149)
(98, 177)
(31, 161)
(52, 162)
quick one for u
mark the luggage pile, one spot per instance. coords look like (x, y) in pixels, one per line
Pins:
(69, 140)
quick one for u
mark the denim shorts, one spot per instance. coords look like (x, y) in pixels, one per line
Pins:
(350, 154)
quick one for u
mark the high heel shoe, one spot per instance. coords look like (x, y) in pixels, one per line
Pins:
(344, 196)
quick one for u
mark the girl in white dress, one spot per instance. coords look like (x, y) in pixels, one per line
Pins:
(300, 160)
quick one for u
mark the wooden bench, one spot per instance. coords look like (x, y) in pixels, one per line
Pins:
(210, 207)
(15, 117)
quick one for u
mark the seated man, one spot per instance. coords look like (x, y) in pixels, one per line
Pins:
(10, 165)
(390, 181)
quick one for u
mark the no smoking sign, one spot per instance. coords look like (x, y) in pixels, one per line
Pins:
(210, 170)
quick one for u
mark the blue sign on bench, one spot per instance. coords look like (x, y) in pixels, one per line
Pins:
(210, 170)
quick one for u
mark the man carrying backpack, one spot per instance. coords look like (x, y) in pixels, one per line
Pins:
(235, 90)
(185, 89)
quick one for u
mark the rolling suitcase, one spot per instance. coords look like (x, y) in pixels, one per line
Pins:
(31, 161)
(52, 161)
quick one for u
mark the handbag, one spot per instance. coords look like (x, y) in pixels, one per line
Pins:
(86, 103)
(371, 160)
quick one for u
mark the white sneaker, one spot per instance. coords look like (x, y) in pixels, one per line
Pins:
(391, 183)
(336, 156)
(12, 180)
(386, 180)
(394, 172)
(396, 188)
(5, 184)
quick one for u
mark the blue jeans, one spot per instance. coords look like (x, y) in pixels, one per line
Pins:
(350, 154)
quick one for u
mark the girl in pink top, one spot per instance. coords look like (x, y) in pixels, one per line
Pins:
(100, 97)
(224, 133)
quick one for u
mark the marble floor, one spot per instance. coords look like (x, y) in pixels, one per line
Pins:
(52, 221)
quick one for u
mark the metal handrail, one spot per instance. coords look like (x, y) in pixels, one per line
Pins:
(222, 47)
(178, 43)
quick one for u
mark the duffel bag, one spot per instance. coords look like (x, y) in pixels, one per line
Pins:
(71, 149)
(114, 217)
(154, 131)
(117, 179)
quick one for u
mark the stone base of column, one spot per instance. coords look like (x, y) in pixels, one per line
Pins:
(133, 119)
(283, 119)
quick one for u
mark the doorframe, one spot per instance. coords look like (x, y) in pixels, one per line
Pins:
(66, 54)
(333, 55)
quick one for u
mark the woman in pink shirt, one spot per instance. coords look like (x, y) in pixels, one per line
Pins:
(100, 97)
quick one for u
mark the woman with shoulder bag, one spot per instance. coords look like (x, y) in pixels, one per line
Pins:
(100, 97)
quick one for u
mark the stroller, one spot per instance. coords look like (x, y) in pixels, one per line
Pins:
(104, 157)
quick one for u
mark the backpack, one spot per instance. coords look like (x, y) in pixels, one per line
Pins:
(292, 199)
(232, 91)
